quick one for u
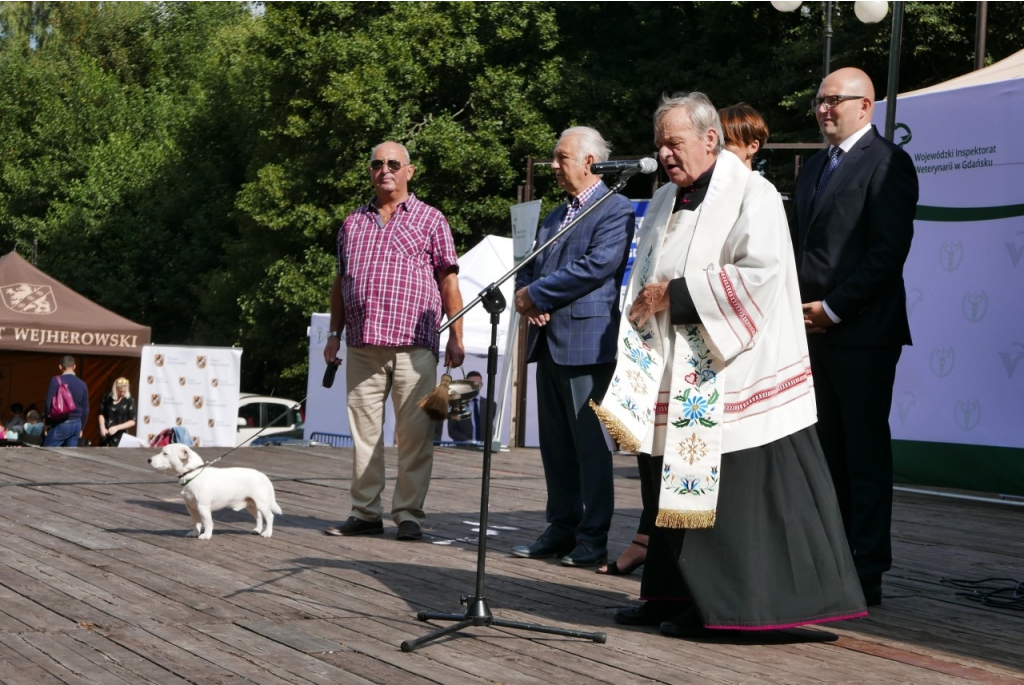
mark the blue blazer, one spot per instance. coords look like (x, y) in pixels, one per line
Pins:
(578, 281)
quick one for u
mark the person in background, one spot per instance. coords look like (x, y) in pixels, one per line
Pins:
(33, 423)
(855, 206)
(117, 413)
(66, 431)
(745, 131)
(17, 420)
(471, 429)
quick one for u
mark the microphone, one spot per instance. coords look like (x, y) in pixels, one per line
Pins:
(647, 165)
(332, 370)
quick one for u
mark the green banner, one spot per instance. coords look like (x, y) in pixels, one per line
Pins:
(964, 467)
(927, 213)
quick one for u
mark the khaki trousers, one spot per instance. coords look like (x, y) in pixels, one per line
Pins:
(407, 374)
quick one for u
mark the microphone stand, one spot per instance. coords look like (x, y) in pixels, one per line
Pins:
(477, 612)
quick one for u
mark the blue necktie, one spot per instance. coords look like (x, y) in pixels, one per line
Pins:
(826, 173)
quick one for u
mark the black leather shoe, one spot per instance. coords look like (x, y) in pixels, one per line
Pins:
(409, 530)
(355, 526)
(585, 555)
(542, 548)
(651, 613)
(686, 625)
(872, 593)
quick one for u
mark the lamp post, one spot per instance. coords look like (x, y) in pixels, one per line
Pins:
(869, 12)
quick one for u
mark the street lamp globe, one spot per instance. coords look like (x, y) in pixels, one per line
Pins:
(786, 5)
(871, 11)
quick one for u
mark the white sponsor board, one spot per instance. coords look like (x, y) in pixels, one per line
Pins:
(192, 387)
(963, 379)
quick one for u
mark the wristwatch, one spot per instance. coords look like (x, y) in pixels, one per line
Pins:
(333, 334)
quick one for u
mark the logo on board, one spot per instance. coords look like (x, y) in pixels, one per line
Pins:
(27, 298)
(197, 401)
(1010, 360)
(904, 137)
(201, 361)
(1015, 250)
(951, 255)
(903, 406)
(181, 380)
(154, 400)
(975, 306)
(942, 361)
(914, 297)
(967, 414)
(177, 420)
(158, 359)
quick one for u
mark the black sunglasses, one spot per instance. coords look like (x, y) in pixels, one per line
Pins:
(393, 164)
(831, 101)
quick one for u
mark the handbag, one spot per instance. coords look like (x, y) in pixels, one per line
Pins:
(63, 403)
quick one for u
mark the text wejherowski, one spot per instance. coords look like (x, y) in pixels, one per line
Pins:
(51, 336)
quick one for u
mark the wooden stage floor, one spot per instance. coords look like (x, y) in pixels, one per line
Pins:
(98, 585)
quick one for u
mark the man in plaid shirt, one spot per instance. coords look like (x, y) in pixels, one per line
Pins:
(397, 276)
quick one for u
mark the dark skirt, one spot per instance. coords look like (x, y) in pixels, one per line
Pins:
(777, 556)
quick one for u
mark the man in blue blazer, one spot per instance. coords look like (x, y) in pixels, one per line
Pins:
(855, 206)
(570, 296)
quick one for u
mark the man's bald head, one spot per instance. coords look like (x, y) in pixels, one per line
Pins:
(852, 112)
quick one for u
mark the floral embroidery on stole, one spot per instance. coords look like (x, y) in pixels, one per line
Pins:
(693, 442)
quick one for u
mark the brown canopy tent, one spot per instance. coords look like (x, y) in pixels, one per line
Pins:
(43, 319)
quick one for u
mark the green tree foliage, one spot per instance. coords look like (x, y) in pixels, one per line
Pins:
(101, 162)
(187, 164)
(462, 85)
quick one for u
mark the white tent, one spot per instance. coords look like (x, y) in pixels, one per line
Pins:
(959, 393)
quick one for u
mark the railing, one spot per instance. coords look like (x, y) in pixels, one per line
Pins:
(332, 439)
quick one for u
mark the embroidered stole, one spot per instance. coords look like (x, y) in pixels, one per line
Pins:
(693, 441)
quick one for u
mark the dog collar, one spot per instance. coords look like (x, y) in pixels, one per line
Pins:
(182, 476)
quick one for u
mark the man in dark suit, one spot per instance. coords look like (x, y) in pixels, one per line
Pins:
(570, 296)
(472, 429)
(855, 206)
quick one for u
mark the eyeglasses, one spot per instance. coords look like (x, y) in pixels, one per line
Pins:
(831, 101)
(393, 165)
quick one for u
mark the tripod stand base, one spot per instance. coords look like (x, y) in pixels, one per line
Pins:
(478, 614)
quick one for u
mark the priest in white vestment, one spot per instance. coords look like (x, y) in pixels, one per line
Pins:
(714, 392)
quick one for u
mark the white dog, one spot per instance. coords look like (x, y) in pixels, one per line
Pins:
(209, 489)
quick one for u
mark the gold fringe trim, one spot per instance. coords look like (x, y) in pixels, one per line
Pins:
(620, 434)
(671, 518)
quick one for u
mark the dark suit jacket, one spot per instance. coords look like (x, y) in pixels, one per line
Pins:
(851, 243)
(578, 281)
(461, 431)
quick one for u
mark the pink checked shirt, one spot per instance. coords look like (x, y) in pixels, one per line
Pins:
(390, 275)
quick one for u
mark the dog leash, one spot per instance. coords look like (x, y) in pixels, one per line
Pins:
(248, 440)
